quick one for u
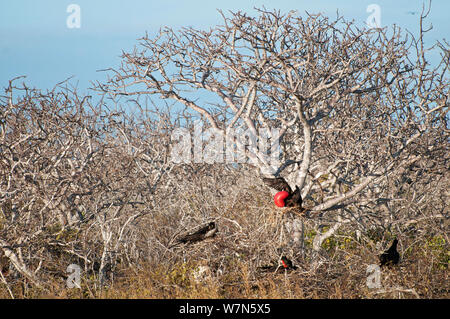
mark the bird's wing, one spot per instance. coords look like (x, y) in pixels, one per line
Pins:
(393, 246)
(383, 259)
(296, 198)
(278, 183)
(198, 235)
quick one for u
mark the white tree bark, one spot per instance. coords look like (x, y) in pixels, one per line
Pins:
(20, 267)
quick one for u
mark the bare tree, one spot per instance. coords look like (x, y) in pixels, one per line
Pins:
(75, 178)
(47, 144)
(352, 104)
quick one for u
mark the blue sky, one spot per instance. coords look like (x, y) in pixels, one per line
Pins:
(35, 40)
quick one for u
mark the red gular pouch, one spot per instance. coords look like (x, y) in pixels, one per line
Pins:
(280, 197)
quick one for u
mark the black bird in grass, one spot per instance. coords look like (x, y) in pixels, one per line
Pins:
(294, 198)
(390, 256)
(201, 234)
(286, 264)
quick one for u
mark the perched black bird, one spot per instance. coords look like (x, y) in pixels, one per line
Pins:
(390, 256)
(286, 264)
(201, 234)
(279, 183)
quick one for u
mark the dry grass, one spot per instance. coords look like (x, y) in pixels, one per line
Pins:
(341, 275)
(251, 234)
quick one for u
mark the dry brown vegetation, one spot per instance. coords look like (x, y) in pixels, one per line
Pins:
(364, 123)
